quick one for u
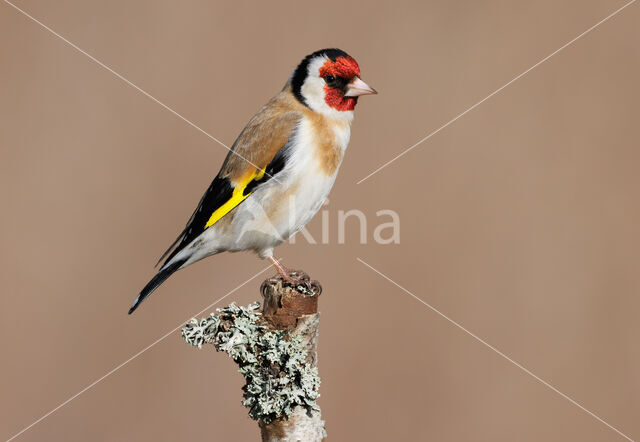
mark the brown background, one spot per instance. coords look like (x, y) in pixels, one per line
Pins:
(520, 220)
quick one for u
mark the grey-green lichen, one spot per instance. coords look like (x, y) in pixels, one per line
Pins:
(273, 362)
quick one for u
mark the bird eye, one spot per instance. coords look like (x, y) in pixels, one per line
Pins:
(329, 79)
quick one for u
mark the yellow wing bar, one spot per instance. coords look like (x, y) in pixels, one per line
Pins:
(236, 198)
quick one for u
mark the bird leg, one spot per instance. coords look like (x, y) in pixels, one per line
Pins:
(282, 270)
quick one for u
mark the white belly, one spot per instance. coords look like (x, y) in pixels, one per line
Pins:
(264, 222)
(285, 204)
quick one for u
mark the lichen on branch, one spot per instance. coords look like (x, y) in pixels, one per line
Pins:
(274, 363)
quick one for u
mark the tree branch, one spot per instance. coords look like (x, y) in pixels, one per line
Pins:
(276, 350)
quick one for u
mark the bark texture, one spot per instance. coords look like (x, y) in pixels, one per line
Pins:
(294, 308)
(276, 351)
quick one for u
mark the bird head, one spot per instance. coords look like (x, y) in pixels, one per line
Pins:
(328, 82)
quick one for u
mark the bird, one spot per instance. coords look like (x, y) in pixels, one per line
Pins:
(278, 172)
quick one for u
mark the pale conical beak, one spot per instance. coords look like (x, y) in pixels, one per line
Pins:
(358, 87)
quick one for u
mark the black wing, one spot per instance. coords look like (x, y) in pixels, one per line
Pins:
(219, 192)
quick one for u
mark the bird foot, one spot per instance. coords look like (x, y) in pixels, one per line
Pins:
(283, 271)
(288, 279)
(297, 279)
(294, 277)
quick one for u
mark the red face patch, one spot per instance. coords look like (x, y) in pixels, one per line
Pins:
(345, 67)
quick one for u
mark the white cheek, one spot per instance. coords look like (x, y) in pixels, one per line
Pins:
(313, 92)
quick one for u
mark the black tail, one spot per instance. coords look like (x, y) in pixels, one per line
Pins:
(160, 277)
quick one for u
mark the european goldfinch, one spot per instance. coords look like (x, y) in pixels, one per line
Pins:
(279, 170)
